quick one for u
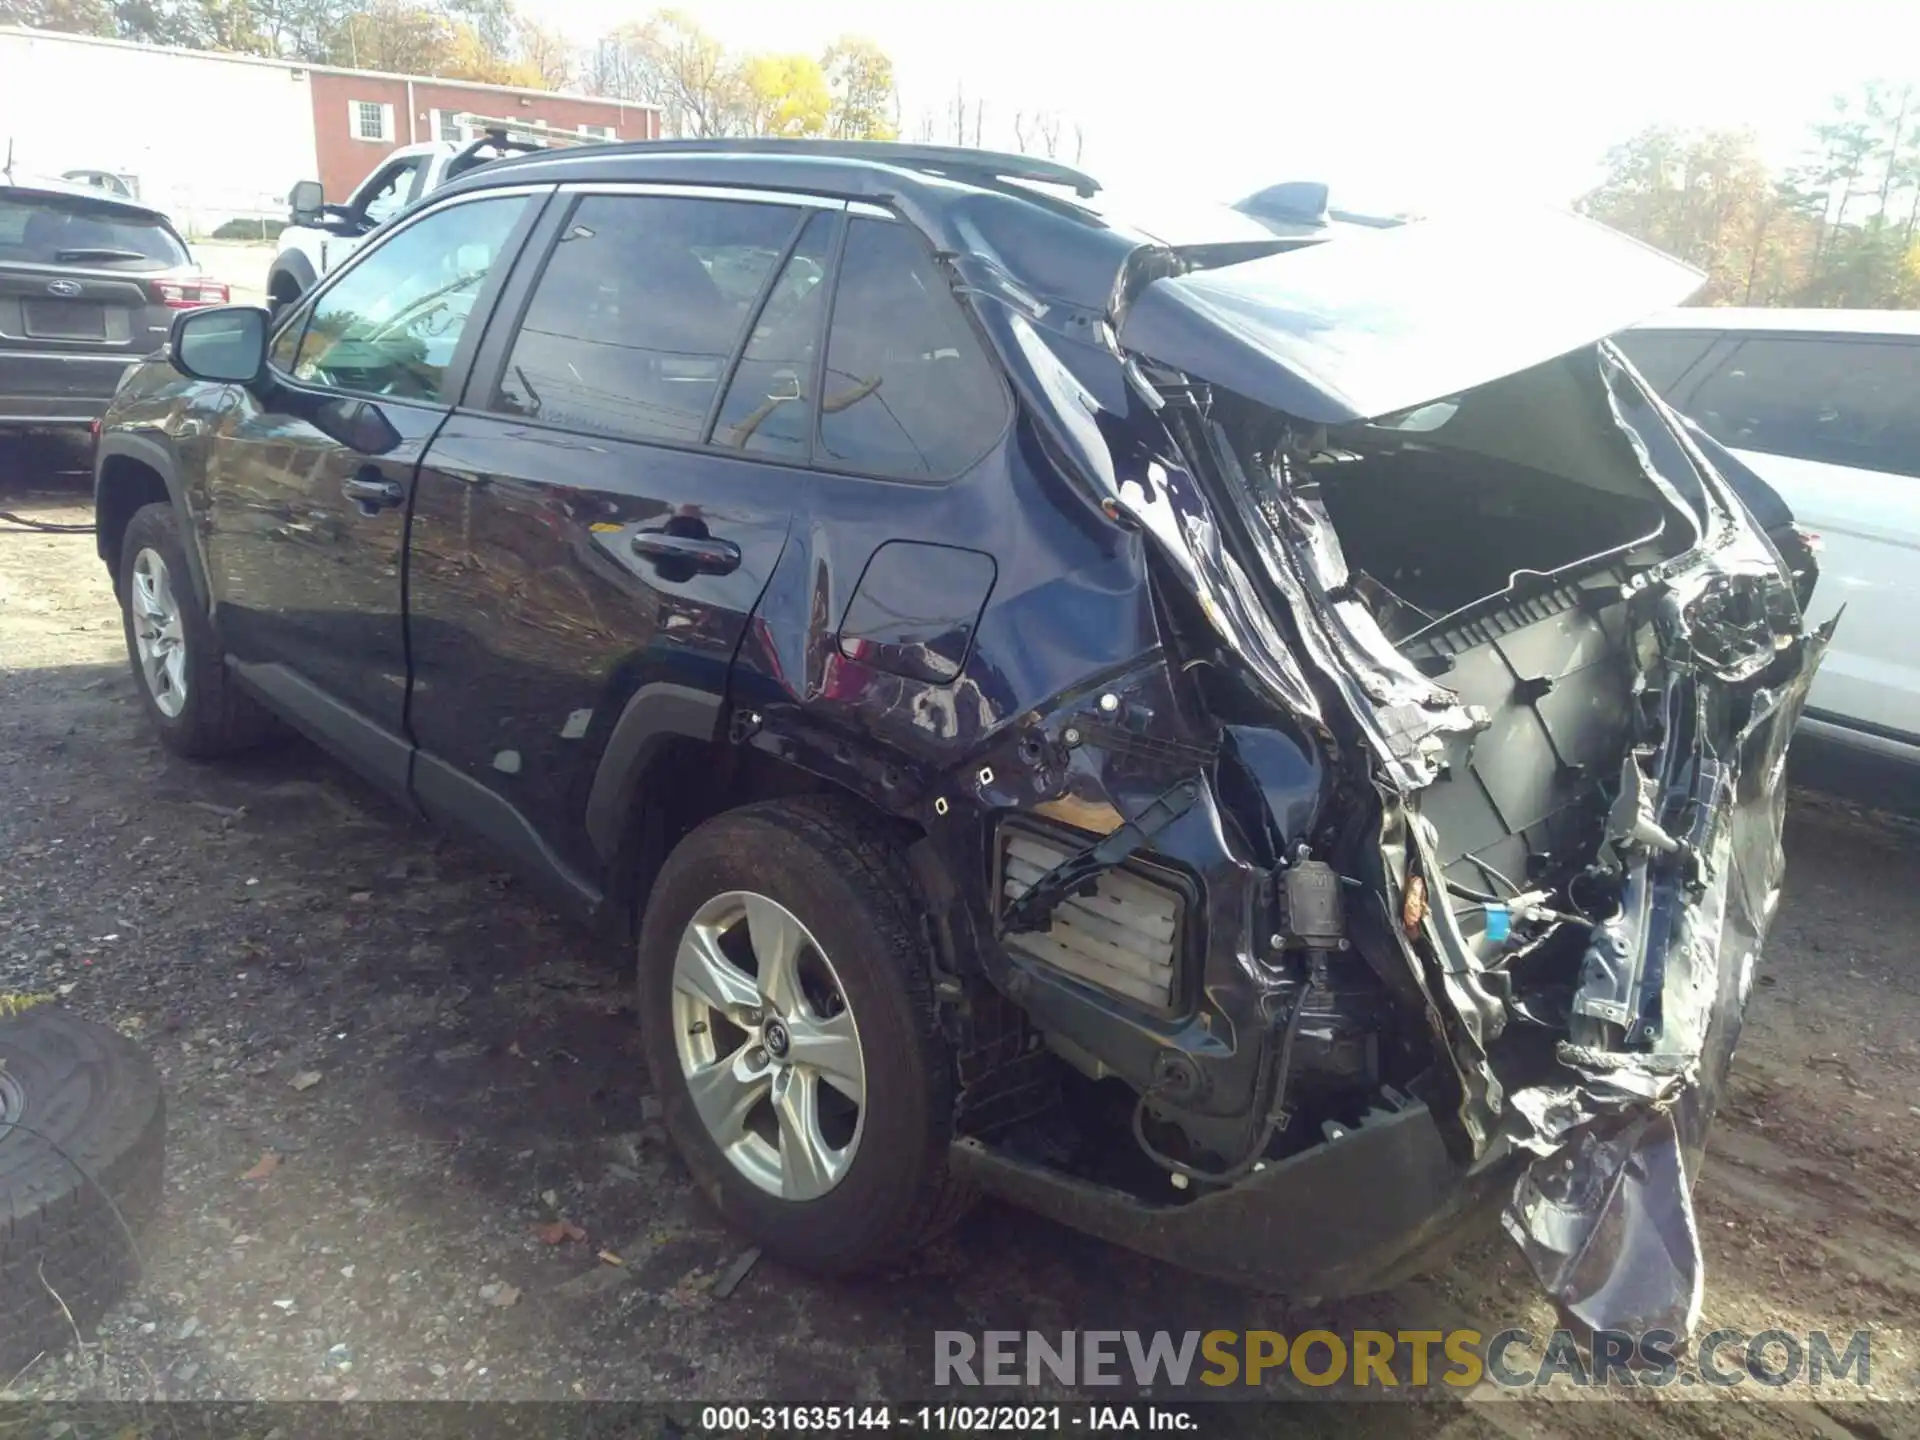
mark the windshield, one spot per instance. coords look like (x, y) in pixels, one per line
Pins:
(46, 229)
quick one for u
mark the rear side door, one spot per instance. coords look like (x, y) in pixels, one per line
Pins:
(308, 474)
(590, 533)
(86, 286)
(1833, 423)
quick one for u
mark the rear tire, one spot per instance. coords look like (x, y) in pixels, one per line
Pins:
(830, 866)
(179, 665)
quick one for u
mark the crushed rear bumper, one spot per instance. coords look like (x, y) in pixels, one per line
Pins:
(1346, 1218)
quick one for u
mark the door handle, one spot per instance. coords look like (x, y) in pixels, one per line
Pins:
(372, 492)
(699, 553)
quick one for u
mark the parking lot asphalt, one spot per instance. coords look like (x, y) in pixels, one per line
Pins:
(271, 920)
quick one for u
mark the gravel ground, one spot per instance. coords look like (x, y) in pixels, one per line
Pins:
(387, 1068)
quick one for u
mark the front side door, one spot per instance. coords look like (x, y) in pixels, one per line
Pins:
(593, 527)
(309, 473)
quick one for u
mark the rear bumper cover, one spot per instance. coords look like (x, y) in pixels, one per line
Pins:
(1355, 1215)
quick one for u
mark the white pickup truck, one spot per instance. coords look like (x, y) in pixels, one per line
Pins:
(320, 235)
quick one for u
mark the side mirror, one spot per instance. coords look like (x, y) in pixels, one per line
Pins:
(307, 203)
(226, 344)
(358, 424)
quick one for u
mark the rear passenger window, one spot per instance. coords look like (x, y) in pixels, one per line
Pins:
(1662, 359)
(909, 390)
(769, 403)
(1842, 401)
(639, 309)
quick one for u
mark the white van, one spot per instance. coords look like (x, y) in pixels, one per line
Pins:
(1824, 405)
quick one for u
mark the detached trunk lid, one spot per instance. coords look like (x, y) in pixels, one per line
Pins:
(1381, 322)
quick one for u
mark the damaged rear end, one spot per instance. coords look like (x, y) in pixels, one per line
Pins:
(1490, 678)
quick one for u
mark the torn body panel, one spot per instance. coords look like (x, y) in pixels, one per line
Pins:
(1613, 723)
(1312, 835)
(1607, 1223)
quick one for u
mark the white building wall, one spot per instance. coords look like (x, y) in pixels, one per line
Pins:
(208, 138)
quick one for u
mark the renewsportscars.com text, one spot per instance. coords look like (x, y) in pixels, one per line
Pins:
(1384, 1359)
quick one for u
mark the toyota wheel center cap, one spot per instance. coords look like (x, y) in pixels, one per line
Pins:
(775, 1036)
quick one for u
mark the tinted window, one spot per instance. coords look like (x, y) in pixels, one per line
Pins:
(908, 389)
(63, 230)
(1846, 402)
(286, 344)
(770, 402)
(639, 309)
(391, 323)
(389, 195)
(1663, 359)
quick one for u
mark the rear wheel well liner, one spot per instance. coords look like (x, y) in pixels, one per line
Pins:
(679, 781)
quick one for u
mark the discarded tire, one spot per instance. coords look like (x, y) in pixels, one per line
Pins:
(82, 1148)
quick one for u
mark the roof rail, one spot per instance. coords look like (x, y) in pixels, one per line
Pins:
(956, 161)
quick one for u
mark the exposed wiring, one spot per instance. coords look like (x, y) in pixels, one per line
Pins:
(1529, 911)
(1485, 869)
(22, 523)
(1479, 897)
(1277, 1114)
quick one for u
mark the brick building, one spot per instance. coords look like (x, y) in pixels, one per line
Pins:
(359, 115)
(209, 136)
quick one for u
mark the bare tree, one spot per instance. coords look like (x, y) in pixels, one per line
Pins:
(1041, 132)
(546, 52)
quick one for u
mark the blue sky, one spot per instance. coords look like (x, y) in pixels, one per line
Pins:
(1392, 102)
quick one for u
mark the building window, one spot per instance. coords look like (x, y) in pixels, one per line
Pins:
(447, 126)
(370, 120)
(597, 132)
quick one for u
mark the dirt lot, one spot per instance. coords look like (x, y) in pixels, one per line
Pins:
(260, 921)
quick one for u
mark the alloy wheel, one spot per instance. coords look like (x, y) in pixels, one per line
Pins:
(158, 633)
(768, 1045)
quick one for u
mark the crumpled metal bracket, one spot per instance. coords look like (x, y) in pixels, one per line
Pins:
(1608, 1226)
(1077, 873)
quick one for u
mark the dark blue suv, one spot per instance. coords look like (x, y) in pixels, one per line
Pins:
(1263, 750)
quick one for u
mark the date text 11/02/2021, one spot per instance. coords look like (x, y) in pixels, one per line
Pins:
(939, 1419)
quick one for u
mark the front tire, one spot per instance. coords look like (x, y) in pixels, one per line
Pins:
(787, 1016)
(178, 665)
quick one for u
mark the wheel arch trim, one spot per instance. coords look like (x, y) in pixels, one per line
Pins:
(654, 714)
(296, 266)
(155, 456)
